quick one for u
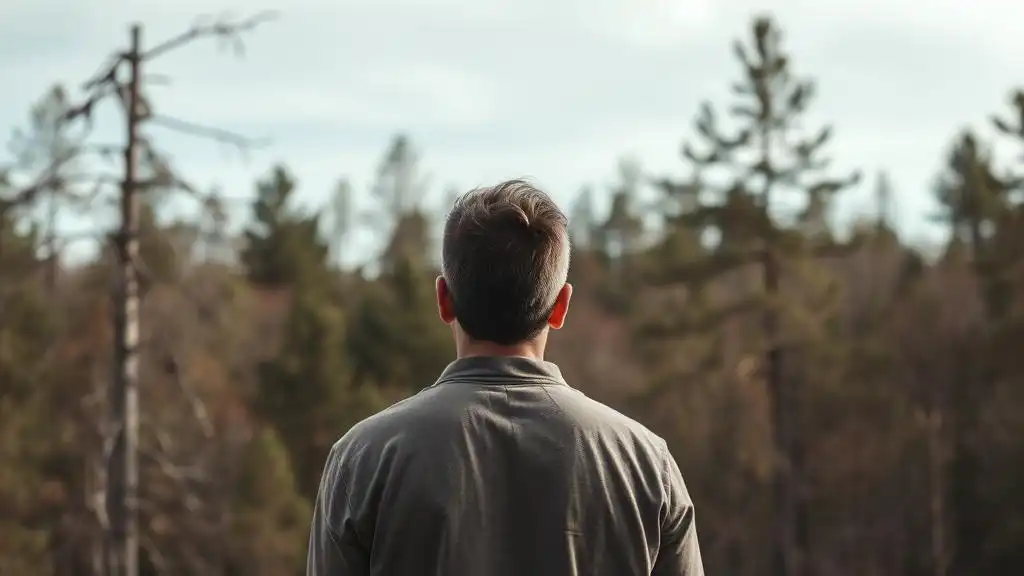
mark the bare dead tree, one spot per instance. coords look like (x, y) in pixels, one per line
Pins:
(122, 80)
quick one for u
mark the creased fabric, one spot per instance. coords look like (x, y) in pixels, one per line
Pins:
(500, 468)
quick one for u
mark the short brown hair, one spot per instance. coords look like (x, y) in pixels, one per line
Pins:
(505, 258)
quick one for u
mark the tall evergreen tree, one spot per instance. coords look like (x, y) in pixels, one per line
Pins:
(1014, 128)
(400, 184)
(582, 220)
(971, 194)
(622, 229)
(761, 166)
(283, 245)
(401, 187)
(405, 282)
(1008, 239)
(587, 270)
(883, 203)
(341, 219)
(619, 237)
(306, 390)
(978, 208)
(49, 155)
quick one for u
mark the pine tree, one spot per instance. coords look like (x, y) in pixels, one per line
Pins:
(47, 152)
(620, 235)
(622, 229)
(588, 270)
(283, 245)
(883, 203)
(306, 391)
(978, 208)
(759, 168)
(582, 221)
(1007, 240)
(971, 194)
(396, 339)
(401, 187)
(341, 219)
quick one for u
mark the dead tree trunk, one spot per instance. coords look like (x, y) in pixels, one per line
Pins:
(123, 475)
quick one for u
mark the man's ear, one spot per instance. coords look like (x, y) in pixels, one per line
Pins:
(557, 318)
(445, 308)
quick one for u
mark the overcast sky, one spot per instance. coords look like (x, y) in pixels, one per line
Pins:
(553, 89)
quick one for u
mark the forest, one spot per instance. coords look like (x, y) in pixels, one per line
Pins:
(840, 402)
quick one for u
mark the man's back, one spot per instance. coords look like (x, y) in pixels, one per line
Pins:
(501, 468)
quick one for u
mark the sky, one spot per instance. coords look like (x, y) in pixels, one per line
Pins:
(556, 90)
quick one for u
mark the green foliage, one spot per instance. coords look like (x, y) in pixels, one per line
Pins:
(400, 187)
(270, 521)
(763, 158)
(283, 246)
(753, 165)
(396, 316)
(28, 328)
(618, 238)
(970, 192)
(727, 235)
(306, 391)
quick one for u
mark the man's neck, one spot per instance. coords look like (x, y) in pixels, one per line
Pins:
(532, 349)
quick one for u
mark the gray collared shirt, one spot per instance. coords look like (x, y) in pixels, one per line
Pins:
(500, 468)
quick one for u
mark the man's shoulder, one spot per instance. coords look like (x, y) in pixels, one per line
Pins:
(598, 416)
(403, 419)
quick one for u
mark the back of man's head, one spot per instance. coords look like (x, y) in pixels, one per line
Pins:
(505, 258)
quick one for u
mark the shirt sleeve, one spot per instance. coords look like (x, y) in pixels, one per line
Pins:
(679, 553)
(333, 549)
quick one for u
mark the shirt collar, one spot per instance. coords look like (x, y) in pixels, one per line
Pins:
(503, 370)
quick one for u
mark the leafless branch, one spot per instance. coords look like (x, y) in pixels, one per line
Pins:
(106, 83)
(158, 560)
(178, 473)
(52, 181)
(199, 410)
(200, 130)
(103, 150)
(106, 74)
(84, 110)
(224, 30)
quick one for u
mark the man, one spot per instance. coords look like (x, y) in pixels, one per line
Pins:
(500, 468)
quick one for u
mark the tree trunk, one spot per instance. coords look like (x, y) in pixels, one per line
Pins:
(123, 475)
(940, 555)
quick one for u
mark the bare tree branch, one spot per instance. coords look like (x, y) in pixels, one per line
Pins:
(222, 30)
(194, 129)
